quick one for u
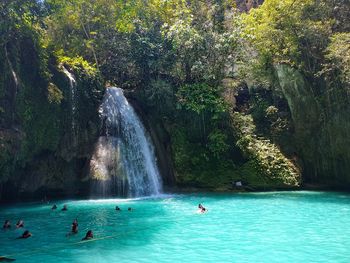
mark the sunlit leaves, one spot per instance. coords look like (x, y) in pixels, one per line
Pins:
(338, 54)
(201, 97)
(274, 28)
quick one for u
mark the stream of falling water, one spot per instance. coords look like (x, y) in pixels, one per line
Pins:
(124, 162)
(73, 101)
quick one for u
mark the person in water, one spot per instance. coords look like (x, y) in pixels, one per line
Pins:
(20, 224)
(89, 235)
(25, 235)
(64, 208)
(129, 209)
(75, 226)
(117, 208)
(201, 208)
(7, 224)
(5, 259)
(54, 207)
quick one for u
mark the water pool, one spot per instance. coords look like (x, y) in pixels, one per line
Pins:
(252, 227)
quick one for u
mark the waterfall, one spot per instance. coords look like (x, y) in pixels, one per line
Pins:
(124, 162)
(73, 100)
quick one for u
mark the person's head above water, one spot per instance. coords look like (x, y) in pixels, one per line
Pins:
(202, 208)
(20, 223)
(129, 209)
(89, 235)
(26, 234)
(7, 224)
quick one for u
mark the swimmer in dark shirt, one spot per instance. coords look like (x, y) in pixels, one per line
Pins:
(75, 226)
(25, 235)
(201, 209)
(89, 235)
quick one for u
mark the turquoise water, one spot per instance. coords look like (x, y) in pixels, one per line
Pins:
(257, 227)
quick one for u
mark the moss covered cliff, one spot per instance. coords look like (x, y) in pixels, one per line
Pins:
(38, 148)
(226, 96)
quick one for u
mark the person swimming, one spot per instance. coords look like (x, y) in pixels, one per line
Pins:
(7, 224)
(54, 207)
(25, 235)
(75, 226)
(117, 208)
(20, 224)
(5, 259)
(201, 209)
(89, 235)
(65, 208)
(129, 209)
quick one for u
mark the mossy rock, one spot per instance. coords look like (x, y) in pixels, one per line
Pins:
(268, 166)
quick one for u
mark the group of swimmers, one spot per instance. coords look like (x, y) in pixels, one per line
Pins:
(117, 208)
(20, 224)
(7, 224)
(74, 230)
(89, 235)
(54, 207)
(26, 234)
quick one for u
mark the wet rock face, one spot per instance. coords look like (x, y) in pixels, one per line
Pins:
(322, 122)
(39, 153)
(8, 92)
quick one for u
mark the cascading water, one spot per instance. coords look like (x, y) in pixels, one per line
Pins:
(72, 85)
(124, 162)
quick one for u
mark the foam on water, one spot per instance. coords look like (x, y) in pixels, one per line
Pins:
(125, 200)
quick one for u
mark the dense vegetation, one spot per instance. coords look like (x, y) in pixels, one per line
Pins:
(260, 97)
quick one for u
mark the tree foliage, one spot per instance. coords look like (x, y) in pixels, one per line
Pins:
(338, 54)
(301, 37)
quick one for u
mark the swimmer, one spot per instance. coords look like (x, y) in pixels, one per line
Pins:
(7, 224)
(64, 208)
(20, 224)
(75, 226)
(117, 208)
(4, 259)
(201, 209)
(89, 235)
(129, 209)
(25, 235)
(54, 207)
